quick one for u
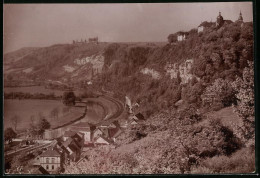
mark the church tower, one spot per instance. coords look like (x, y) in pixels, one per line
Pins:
(240, 18)
(220, 20)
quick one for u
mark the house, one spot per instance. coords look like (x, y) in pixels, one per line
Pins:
(72, 148)
(133, 122)
(123, 123)
(181, 36)
(102, 140)
(220, 21)
(97, 132)
(204, 25)
(128, 104)
(85, 128)
(67, 134)
(208, 99)
(114, 133)
(50, 160)
(93, 40)
(37, 161)
(114, 124)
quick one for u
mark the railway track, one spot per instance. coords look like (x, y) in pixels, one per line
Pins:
(118, 104)
(29, 149)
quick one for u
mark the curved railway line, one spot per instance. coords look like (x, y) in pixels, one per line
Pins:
(106, 95)
(118, 104)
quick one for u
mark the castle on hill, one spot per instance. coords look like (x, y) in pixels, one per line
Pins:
(90, 40)
(181, 36)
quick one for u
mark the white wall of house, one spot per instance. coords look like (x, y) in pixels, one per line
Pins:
(181, 37)
(50, 163)
(200, 29)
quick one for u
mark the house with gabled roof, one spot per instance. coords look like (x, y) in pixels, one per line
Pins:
(67, 134)
(114, 133)
(74, 148)
(114, 124)
(97, 132)
(50, 160)
(205, 25)
(102, 140)
(85, 128)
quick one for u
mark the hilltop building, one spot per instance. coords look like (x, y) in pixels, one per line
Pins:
(220, 21)
(79, 42)
(90, 40)
(93, 40)
(240, 18)
(204, 25)
(181, 36)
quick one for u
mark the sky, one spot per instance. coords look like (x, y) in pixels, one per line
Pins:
(39, 25)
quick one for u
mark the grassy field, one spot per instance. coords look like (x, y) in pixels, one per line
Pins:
(36, 89)
(24, 109)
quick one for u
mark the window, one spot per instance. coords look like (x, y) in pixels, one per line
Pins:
(47, 167)
(47, 160)
(53, 160)
(52, 166)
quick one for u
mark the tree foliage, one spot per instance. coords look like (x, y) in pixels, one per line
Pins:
(9, 134)
(69, 98)
(245, 95)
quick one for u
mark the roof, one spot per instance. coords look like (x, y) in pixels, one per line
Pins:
(114, 132)
(104, 138)
(67, 142)
(80, 129)
(50, 153)
(228, 21)
(116, 123)
(206, 24)
(82, 124)
(182, 33)
(140, 116)
(69, 133)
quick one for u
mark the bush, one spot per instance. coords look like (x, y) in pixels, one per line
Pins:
(242, 161)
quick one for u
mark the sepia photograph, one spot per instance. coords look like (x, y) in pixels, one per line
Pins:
(128, 88)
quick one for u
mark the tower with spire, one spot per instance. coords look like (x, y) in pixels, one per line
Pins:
(240, 18)
(220, 20)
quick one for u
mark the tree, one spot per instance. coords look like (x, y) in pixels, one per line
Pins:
(68, 98)
(15, 120)
(222, 92)
(172, 38)
(245, 104)
(9, 134)
(43, 125)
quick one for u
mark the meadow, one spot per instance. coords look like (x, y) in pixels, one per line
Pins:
(36, 89)
(24, 109)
